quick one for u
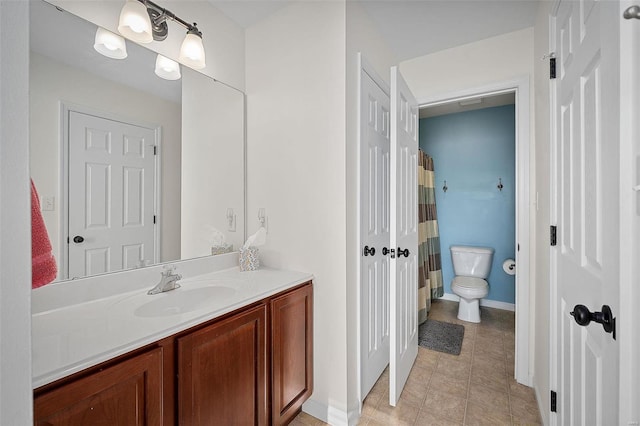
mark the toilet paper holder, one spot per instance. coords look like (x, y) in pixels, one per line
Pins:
(509, 266)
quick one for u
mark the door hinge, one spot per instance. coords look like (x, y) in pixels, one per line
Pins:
(155, 150)
(554, 402)
(553, 235)
(154, 219)
(552, 68)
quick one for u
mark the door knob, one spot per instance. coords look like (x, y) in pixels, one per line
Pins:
(632, 12)
(78, 239)
(404, 252)
(584, 316)
(369, 251)
(385, 251)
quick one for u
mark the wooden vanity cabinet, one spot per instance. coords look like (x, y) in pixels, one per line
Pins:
(291, 352)
(127, 393)
(251, 367)
(222, 372)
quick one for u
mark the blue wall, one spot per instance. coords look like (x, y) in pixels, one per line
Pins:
(470, 151)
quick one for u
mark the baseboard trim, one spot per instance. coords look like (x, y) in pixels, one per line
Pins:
(329, 414)
(484, 302)
(544, 413)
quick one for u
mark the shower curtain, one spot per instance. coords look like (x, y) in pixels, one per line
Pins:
(429, 261)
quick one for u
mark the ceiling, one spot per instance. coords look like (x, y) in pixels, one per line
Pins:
(415, 28)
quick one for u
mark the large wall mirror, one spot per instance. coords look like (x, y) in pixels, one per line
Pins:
(132, 169)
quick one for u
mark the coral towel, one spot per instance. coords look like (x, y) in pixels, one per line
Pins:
(43, 264)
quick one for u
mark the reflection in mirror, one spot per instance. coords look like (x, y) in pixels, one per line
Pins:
(132, 169)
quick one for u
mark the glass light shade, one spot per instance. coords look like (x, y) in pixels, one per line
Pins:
(135, 23)
(192, 52)
(167, 68)
(109, 44)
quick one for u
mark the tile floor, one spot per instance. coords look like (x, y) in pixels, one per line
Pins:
(473, 388)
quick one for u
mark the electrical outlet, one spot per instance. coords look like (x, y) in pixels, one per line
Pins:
(262, 219)
(231, 220)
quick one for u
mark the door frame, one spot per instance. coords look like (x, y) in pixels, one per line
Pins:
(520, 87)
(363, 66)
(629, 391)
(65, 109)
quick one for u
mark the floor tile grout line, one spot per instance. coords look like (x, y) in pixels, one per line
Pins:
(473, 354)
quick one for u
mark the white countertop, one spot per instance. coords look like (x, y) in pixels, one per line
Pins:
(69, 339)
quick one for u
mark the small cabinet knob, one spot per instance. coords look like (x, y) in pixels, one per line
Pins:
(78, 239)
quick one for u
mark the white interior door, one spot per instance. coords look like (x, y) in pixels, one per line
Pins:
(111, 195)
(374, 222)
(404, 234)
(587, 208)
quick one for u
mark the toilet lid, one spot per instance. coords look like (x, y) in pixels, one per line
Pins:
(470, 282)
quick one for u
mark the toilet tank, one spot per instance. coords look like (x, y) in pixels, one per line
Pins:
(469, 261)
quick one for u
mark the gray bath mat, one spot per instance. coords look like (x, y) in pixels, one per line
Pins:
(441, 336)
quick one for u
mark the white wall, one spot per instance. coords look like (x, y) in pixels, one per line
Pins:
(543, 183)
(471, 65)
(295, 85)
(15, 244)
(51, 82)
(223, 39)
(213, 155)
(362, 36)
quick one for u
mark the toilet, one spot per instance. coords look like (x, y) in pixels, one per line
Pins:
(471, 265)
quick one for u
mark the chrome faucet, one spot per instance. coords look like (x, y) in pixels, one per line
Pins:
(168, 282)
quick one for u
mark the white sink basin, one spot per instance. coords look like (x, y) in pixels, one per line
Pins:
(180, 301)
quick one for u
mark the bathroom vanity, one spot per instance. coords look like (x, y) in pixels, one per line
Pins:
(244, 357)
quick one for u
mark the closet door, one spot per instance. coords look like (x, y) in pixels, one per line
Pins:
(586, 257)
(374, 230)
(404, 234)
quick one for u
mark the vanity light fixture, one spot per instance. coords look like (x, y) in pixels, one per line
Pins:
(135, 23)
(109, 44)
(167, 68)
(144, 21)
(192, 50)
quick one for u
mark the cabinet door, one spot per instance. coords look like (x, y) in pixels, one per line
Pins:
(222, 372)
(292, 352)
(128, 393)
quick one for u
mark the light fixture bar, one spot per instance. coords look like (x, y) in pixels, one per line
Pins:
(159, 15)
(144, 21)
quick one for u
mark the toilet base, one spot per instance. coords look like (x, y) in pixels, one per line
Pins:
(469, 310)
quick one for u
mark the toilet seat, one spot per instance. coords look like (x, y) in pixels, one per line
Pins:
(470, 287)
